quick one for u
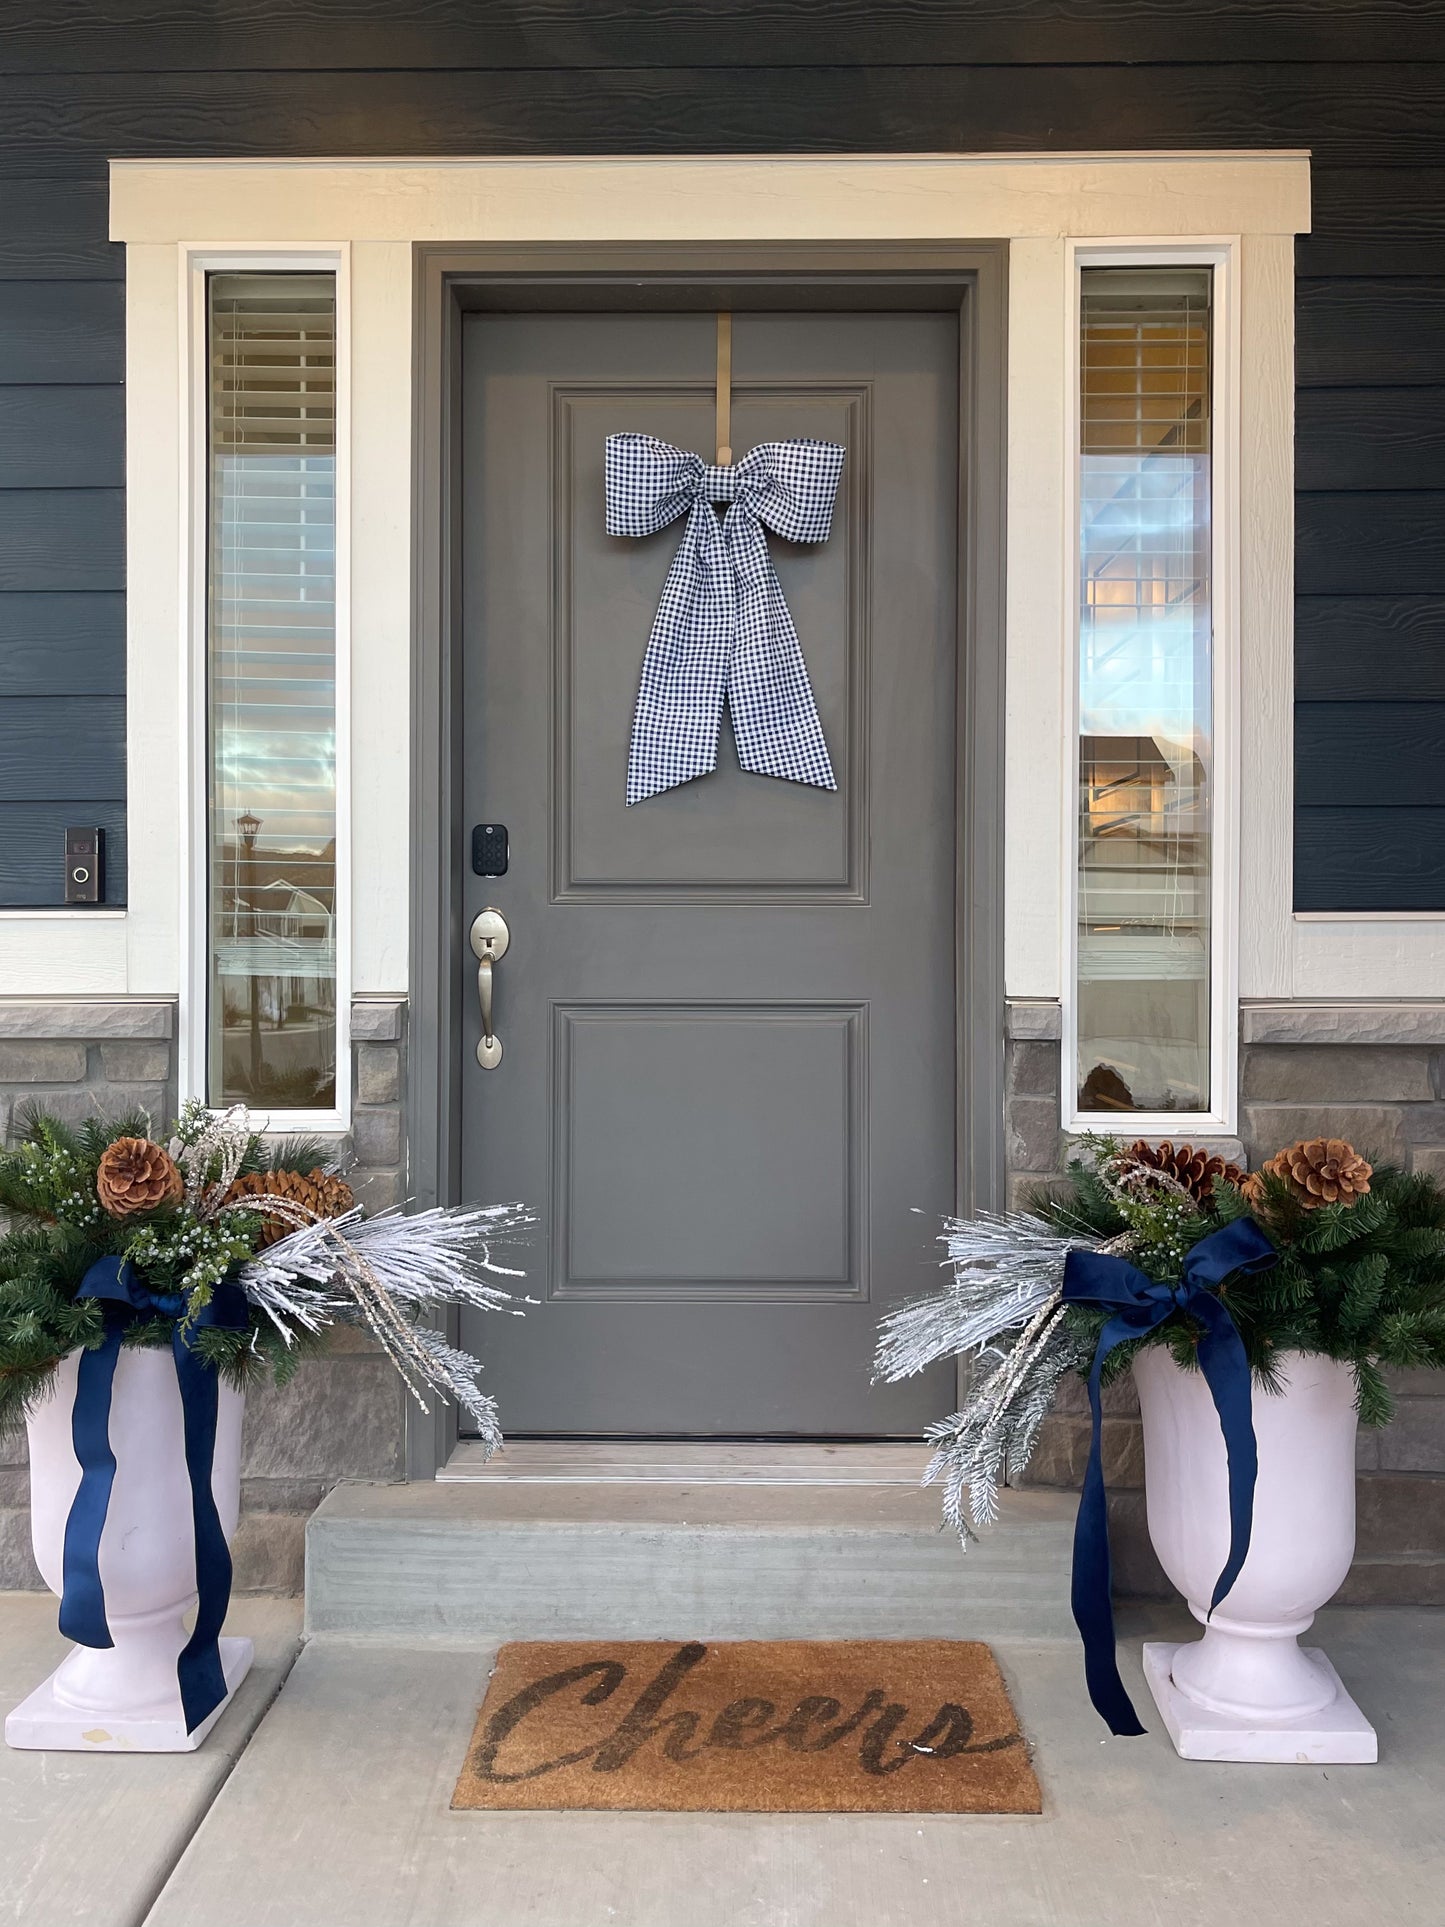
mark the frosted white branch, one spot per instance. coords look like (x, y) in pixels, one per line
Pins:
(383, 1272)
(1001, 1309)
(210, 1148)
(455, 1373)
(441, 1257)
(1005, 1269)
(289, 1300)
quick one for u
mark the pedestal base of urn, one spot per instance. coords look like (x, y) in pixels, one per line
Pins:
(46, 1723)
(1337, 1733)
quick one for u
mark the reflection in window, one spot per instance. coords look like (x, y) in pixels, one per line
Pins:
(1145, 728)
(271, 690)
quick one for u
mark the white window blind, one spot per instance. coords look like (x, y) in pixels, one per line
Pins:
(271, 688)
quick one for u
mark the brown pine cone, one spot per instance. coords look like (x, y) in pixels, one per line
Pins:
(1195, 1169)
(135, 1175)
(1319, 1170)
(316, 1195)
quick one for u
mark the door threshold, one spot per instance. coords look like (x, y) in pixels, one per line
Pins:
(567, 1462)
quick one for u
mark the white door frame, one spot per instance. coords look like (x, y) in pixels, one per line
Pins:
(1038, 209)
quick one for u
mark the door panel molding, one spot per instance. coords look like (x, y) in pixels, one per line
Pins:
(971, 277)
(849, 884)
(741, 1203)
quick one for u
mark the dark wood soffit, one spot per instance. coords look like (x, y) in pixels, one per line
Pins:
(1388, 113)
(115, 36)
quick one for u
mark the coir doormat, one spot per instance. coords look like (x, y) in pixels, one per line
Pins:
(751, 1726)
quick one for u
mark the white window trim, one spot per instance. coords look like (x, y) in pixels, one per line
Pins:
(196, 263)
(1221, 1114)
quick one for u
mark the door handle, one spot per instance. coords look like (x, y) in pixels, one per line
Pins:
(490, 937)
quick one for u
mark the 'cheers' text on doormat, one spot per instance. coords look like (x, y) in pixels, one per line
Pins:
(761, 1726)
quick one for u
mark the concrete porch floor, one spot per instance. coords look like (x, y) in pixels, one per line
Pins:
(332, 1811)
(94, 1838)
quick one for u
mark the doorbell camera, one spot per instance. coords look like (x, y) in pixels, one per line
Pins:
(84, 865)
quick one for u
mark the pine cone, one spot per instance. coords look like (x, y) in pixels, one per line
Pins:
(1195, 1169)
(316, 1195)
(135, 1175)
(1319, 1170)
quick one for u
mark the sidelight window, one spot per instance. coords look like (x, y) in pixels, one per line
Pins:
(271, 690)
(1144, 1016)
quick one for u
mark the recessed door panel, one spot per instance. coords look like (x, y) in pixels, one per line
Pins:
(657, 1193)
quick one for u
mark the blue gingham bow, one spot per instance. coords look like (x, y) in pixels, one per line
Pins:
(722, 627)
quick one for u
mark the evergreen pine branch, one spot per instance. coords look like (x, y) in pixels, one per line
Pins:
(1227, 1202)
(1267, 1370)
(1083, 1206)
(1373, 1399)
(1417, 1244)
(86, 1141)
(1362, 1290)
(1416, 1199)
(34, 1125)
(302, 1154)
(1333, 1226)
(1409, 1340)
(1286, 1287)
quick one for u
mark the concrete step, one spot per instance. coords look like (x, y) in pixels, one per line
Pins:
(538, 1558)
(561, 1462)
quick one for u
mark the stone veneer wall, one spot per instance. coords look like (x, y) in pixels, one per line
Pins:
(342, 1416)
(1372, 1073)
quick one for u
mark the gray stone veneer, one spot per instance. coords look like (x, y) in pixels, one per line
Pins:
(1374, 1073)
(342, 1416)
(1370, 1072)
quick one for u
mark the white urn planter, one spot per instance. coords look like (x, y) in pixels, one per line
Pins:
(1247, 1690)
(126, 1698)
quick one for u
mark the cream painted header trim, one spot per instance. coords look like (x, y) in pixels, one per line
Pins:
(780, 198)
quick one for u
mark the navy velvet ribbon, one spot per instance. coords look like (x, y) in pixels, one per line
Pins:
(1137, 1304)
(82, 1604)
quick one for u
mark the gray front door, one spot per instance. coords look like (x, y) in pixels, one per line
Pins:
(727, 1012)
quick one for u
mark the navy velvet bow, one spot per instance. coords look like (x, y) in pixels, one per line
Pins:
(1137, 1304)
(82, 1603)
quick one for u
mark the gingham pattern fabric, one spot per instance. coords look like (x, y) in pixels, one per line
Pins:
(722, 627)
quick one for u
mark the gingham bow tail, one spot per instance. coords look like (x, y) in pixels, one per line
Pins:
(722, 627)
